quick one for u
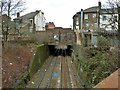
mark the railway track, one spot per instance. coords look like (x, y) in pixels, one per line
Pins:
(68, 71)
(60, 64)
(45, 81)
(65, 73)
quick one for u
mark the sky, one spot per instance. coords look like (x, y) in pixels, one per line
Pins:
(59, 11)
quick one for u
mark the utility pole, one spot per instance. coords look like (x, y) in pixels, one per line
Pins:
(119, 21)
(1, 22)
(1, 45)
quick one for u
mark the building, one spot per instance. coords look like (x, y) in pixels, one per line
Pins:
(87, 23)
(109, 19)
(86, 19)
(5, 26)
(31, 22)
(5, 21)
(50, 25)
(56, 36)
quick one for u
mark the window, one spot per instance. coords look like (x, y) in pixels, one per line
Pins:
(63, 38)
(77, 20)
(86, 16)
(103, 26)
(115, 18)
(95, 24)
(113, 27)
(69, 36)
(56, 37)
(87, 24)
(30, 30)
(94, 15)
(30, 21)
(104, 18)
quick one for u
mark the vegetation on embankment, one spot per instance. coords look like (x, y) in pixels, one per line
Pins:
(95, 64)
(21, 60)
(40, 56)
(15, 62)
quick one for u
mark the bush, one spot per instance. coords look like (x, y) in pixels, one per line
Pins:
(97, 67)
(103, 42)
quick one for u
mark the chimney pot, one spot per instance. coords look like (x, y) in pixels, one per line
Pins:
(99, 4)
(37, 11)
(18, 14)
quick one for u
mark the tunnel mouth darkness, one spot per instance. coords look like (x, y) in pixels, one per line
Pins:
(59, 51)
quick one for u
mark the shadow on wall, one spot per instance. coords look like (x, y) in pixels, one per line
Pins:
(40, 57)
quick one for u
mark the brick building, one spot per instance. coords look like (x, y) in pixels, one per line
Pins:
(87, 23)
(57, 35)
(31, 22)
(50, 25)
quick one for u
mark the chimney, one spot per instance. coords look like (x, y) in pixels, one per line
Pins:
(99, 12)
(99, 4)
(18, 14)
(37, 11)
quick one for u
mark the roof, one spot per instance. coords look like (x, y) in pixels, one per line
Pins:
(109, 11)
(29, 15)
(111, 81)
(92, 9)
(96, 8)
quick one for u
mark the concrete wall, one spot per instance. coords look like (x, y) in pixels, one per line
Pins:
(42, 53)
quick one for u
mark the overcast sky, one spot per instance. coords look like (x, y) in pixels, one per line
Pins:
(59, 11)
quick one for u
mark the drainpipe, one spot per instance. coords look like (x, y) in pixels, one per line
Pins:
(81, 19)
(82, 26)
(99, 13)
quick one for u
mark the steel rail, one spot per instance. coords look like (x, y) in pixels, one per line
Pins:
(49, 83)
(68, 72)
(61, 69)
(47, 67)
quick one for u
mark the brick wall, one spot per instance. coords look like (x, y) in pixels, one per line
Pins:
(48, 35)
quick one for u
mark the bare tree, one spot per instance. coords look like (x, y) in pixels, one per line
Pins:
(112, 7)
(11, 8)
